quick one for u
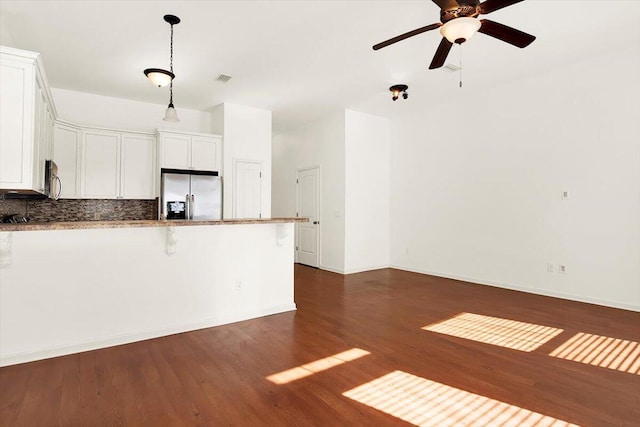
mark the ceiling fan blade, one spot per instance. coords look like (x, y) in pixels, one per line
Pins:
(506, 34)
(493, 5)
(446, 4)
(407, 35)
(441, 54)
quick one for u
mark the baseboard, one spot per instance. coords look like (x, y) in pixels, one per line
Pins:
(536, 291)
(354, 270)
(363, 269)
(333, 270)
(14, 359)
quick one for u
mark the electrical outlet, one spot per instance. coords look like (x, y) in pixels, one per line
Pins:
(97, 216)
(549, 267)
(564, 195)
(562, 269)
(238, 285)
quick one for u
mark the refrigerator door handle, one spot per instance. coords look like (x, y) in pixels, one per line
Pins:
(193, 205)
(187, 207)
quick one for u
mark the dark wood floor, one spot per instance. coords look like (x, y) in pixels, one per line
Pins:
(217, 376)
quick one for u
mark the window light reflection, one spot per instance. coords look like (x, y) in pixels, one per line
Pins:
(606, 352)
(496, 331)
(320, 365)
(423, 402)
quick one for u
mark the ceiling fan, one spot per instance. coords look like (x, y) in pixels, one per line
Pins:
(459, 21)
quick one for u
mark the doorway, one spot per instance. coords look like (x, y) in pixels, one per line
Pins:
(308, 205)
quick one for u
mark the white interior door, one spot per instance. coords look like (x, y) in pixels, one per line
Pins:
(247, 183)
(307, 236)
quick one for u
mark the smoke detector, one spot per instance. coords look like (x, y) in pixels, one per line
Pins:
(223, 78)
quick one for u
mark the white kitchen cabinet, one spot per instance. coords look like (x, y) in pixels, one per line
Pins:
(204, 153)
(100, 164)
(26, 113)
(137, 166)
(117, 165)
(175, 151)
(66, 154)
(180, 150)
(43, 127)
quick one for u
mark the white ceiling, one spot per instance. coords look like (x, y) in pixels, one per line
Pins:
(300, 59)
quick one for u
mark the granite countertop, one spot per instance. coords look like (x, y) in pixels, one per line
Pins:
(77, 225)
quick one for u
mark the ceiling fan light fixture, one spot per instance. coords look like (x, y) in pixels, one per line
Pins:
(159, 77)
(460, 30)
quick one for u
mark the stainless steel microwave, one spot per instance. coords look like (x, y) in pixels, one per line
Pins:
(52, 183)
(52, 186)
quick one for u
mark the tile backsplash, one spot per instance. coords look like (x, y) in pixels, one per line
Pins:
(81, 209)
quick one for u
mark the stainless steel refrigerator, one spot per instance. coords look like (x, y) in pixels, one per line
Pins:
(190, 195)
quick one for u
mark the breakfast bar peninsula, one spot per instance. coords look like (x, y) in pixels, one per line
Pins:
(76, 286)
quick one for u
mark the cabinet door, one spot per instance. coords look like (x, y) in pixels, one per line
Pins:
(66, 154)
(137, 166)
(40, 139)
(16, 132)
(100, 165)
(204, 153)
(176, 151)
(49, 133)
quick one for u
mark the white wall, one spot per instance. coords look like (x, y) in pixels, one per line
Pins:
(320, 143)
(104, 111)
(100, 287)
(366, 192)
(217, 119)
(247, 136)
(476, 184)
(6, 39)
(352, 150)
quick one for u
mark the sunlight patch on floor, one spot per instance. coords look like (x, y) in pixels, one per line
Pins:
(422, 402)
(606, 352)
(320, 365)
(496, 331)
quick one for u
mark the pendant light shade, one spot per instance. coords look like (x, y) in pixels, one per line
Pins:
(158, 76)
(171, 115)
(460, 30)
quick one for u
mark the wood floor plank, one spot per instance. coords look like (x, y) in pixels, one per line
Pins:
(219, 376)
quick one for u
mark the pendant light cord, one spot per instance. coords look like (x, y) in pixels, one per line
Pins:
(171, 69)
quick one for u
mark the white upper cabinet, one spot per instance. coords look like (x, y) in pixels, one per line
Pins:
(205, 153)
(117, 165)
(100, 164)
(26, 114)
(137, 166)
(175, 151)
(190, 151)
(66, 154)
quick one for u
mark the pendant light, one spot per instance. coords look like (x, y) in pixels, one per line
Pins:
(161, 77)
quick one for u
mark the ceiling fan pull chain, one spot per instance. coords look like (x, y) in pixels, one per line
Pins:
(460, 64)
